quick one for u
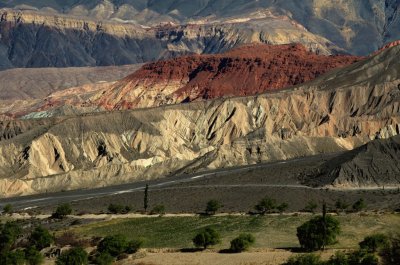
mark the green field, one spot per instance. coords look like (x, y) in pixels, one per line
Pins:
(270, 231)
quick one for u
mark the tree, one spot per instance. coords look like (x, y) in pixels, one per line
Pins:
(305, 259)
(146, 198)
(8, 209)
(242, 243)
(359, 205)
(33, 256)
(206, 238)
(374, 243)
(318, 232)
(40, 238)
(9, 232)
(73, 256)
(282, 207)
(133, 246)
(212, 207)
(266, 205)
(311, 207)
(103, 258)
(114, 245)
(62, 211)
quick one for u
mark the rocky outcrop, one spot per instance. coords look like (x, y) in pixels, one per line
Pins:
(338, 111)
(359, 27)
(247, 70)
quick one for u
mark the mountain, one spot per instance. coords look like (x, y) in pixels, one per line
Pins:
(247, 70)
(37, 39)
(338, 111)
(358, 27)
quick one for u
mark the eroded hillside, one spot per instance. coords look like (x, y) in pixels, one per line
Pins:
(338, 111)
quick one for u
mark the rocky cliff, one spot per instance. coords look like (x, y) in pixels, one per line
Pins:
(359, 27)
(37, 39)
(338, 111)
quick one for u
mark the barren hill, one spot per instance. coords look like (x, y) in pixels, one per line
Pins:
(337, 111)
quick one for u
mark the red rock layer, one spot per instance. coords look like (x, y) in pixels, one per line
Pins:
(387, 46)
(246, 70)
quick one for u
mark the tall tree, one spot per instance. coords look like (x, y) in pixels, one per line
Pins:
(146, 198)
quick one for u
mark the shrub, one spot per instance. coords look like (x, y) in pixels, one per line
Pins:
(9, 232)
(158, 209)
(62, 211)
(341, 206)
(8, 209)
(118, 209)
(391, 253)
(208, 237)
(266, 205)
(361, 257)
(73, 256)
(282, 207)
(12, 258)
(40, 238)
(133, 246)
(104, 259)
(114, 245)
(338, 259)
(242, 243)
(306, 259)
(359, 205)
(212, 207)
(318, 232)
(33, 256)
(311, 207)
(374, 243)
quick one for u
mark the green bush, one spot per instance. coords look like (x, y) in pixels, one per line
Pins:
(282, 207)
(266, 205)
(359, 205)
(311, 207)
(33, 256)
(104, 259)
(362, 257)
(9, 232)
(62, 211)
(119, 209)
(374, 243)
(40, 238)
(158, 209)
(391, 253)
(305, 259)
(7, 209)
(341, 206)
(208, 237)
(73, 256)
(212, 207)
(114, 245)
(338, 259)
(117, 245)
(318, 232)
(242, 243)
(12, 258)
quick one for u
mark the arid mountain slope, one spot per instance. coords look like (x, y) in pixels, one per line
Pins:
(23, 84)
(338, 111)
(247, 70)
(376, 163)
(36, 39)
(359, 27)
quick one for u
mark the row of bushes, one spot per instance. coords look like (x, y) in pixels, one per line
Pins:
(375, 249)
